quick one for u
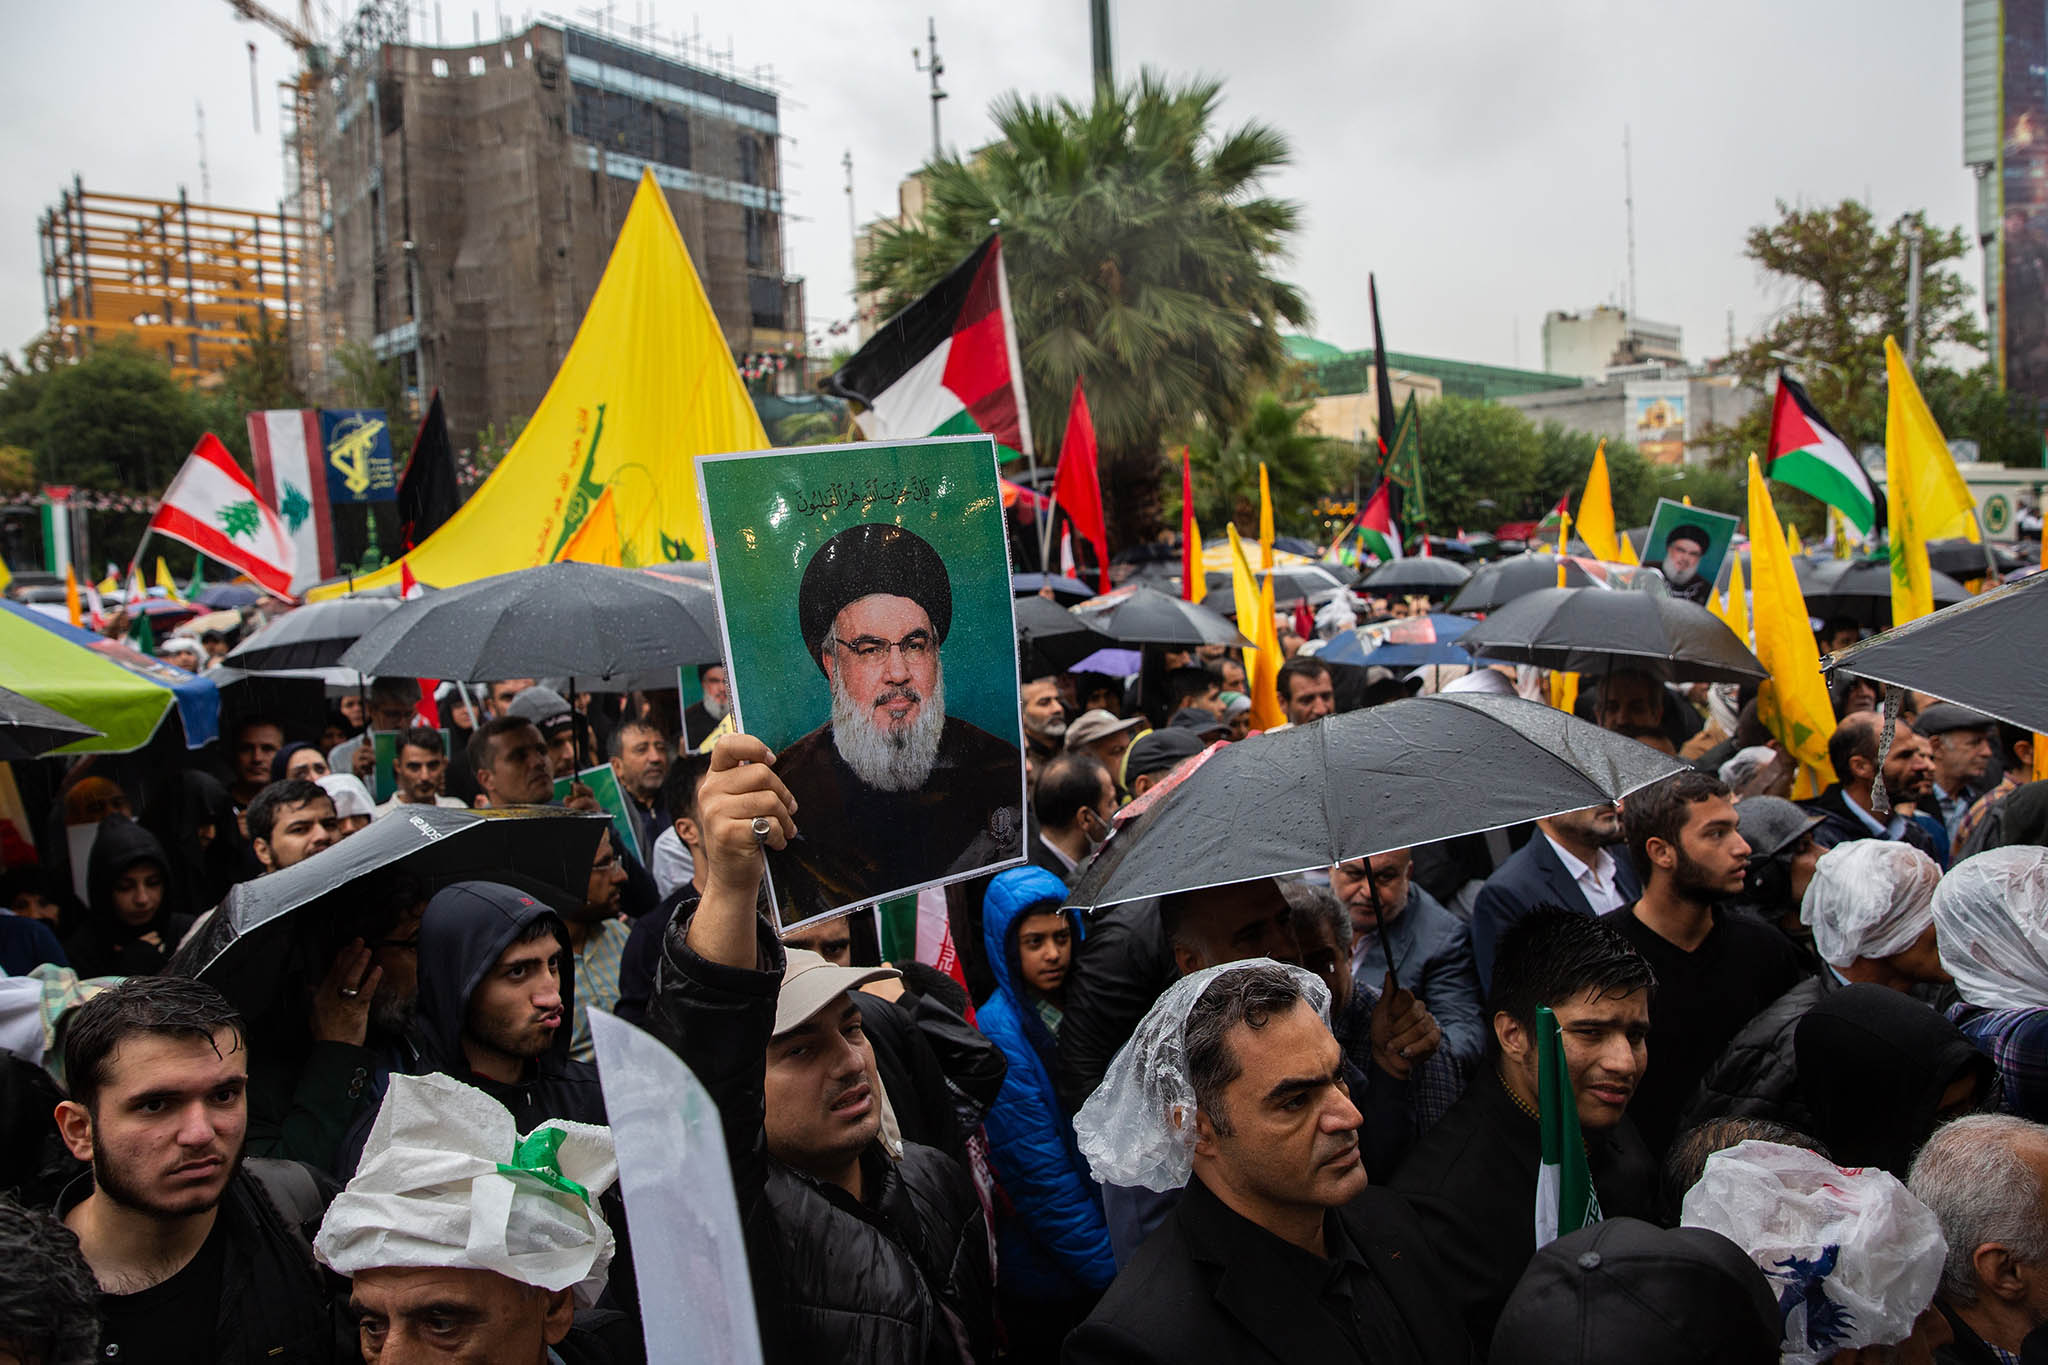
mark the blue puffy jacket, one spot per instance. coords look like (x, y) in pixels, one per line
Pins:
(1052, 1240)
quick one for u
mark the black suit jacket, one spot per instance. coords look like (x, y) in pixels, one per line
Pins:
(1531, 878)
(1839, 824)
(1200, 1290)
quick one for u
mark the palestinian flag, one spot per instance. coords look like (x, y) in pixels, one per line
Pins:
(947, 365)
(1554, 519)
(1376, 529)
(1807, 454)
(1565, 1198)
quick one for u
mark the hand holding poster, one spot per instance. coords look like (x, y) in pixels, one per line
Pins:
(864, 595)
(1687, 545)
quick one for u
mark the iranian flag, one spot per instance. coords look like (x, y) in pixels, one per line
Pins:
(947, 365)
(1565, 1198)
(213, 507)
(1376, 528)
(1807, 454)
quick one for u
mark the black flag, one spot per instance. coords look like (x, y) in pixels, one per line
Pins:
(1389, 423)
(428, 493)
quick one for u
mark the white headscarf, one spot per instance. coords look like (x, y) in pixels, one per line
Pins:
(1991, 919)
(1869, 898)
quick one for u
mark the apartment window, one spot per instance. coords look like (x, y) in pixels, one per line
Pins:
(477, 66)
(440, 66)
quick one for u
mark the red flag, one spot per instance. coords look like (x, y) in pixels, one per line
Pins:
(1304, 620)
(1194, 581)
(1077, 486)
(427, 711)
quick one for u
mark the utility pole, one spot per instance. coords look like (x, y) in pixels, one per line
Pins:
(852, 233)
(1912, 294)
(1099, 46)
(1628, 199)
(929, 61)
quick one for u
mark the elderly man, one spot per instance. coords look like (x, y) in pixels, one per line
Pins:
(1908, 778)
(1279, 1249)
(1985, 1176)
(859, 1251)
(639, 758)
(451, 1253)
(895, 792)
(701, 717)
(1431, 954)
(1959, 742)
(1683, 549)
(1045, 720)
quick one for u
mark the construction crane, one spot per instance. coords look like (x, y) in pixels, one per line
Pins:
(299, 35)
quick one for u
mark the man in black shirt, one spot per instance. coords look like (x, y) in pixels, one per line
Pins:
(1715, 970)
(193, 1259)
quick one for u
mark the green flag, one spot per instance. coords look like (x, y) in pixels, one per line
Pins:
(1565, 1198)
(1404, 464)
(198, 579)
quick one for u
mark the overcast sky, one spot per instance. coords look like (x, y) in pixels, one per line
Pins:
(1469, 153)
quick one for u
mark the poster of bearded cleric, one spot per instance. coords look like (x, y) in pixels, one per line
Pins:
(864, 592)
(1689, 545)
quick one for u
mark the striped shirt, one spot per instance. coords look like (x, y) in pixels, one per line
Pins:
(597, 981)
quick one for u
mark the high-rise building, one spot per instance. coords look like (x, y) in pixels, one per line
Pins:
(2005, 142)
(470, 196)
(1591, 343)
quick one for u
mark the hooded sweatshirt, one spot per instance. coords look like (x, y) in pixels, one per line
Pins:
(105, 946)
(467, 927)
(1053, 1242)
(1873, 1064)
(176, 805)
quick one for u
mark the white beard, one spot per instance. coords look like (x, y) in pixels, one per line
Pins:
(1677, 577)
(713, 707)
(892, 762)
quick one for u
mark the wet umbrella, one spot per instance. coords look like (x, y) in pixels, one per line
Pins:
(556, 620)
(1985, 654)
(1964, 559)
(1051, 639)
(313, 636)
(1408, 643)
(1364, 782)
(284, 927)
(1138, 615)
(1586, 630)
(227, 595)
(1431, 577)
(29, 728)
(1291, 583)
(1023, 584)
(1860, 590)
(1494, 585)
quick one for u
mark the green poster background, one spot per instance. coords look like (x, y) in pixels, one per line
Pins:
(767, 514)
(604, 785)
(1719, 526)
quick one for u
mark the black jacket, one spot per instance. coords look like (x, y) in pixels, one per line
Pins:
(898, 1279)
(1472, 1181)
(1210, 1285)
(176, 805)
(1873, 1064)
(105, 946)
(1757, 1075)
(1533, 877)
(1120, 968)
(1840, 825)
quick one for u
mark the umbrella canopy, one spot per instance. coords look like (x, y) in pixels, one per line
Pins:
(1586, 630)
(1351, 785)
(1494, 585)
(1314, 583)
(101, 683)
(1051, 639)
(227, 595)
(1139, 615)
(283, 928)
(1860, 590)
(29, 728)
(1964, 559)
(1431, 577)
(1985, 654)
(1408, 643)
(313, 636)
(1028, 584)
(586, 621)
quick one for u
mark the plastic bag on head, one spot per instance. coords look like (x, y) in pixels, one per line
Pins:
(1991, 919)
(1852, 1256)
(1869, 898)
(1138, 1128)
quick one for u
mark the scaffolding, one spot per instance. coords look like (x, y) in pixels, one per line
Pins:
(190, 282)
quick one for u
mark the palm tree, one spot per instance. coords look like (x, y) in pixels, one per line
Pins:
(1300, 466)
(1139, 249)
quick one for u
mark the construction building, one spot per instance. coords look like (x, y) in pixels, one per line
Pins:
(469, 197)
(188, 282)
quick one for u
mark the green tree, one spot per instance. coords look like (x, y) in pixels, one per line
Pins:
(1140, 250)
(367, 382)
(261, 377)
(1479, 462)
(1301, 468)
(114, 419)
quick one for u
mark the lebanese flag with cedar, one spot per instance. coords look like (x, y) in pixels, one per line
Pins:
(947, 365)
(213, 506)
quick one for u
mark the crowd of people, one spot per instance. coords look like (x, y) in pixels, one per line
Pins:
(1803, 1046)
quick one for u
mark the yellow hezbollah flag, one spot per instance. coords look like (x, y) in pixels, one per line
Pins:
(1793, 704)
(166, 582)
(597, 540)
(1255, 623)
(1265, 521)
(1596, 510)
(1734, 611)
(1926, 497)
(647, 386)
(1628, 551)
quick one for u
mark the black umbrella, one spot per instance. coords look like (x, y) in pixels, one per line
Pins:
(1408, 772)
(1964, 559)
(1594, 631)
(29, 728)
(1860, 590)
(1138, 615)
(1494, 585)
(1028, 584)
(1430, 577)
(313, 636)
(1985, 654)
(556, 620)
(1051, 639)
(284, 927)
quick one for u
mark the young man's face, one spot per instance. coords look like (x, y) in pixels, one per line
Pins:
(455, 1316)
(1045, 949)
(1310, 696)
(298, 833)
(164, 1134)
(821, 1090)
(1606, 1048)
(501, 694)
(607, 876)
(138, 894)
(390, 713)
(830, 940)
(1908, 766)
(516, 1009)
(562, 752)
(420, 773)
(519, 772)
(1630, 701)
(1286, 1134)
(255, 747)
(1712, 856)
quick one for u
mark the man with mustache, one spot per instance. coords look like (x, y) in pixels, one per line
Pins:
(191, 1248)
(1683, 549)
(895, 792)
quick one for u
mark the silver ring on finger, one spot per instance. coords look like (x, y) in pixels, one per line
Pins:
(349, 992)
(763, 826)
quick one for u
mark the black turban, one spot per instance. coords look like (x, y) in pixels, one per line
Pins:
(873, 557)
(1688, 531)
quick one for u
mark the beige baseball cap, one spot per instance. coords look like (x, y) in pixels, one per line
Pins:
(1090, 726)
(810, 983)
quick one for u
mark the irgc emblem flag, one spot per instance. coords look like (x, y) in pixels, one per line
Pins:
(864, 596)
(213, 507)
